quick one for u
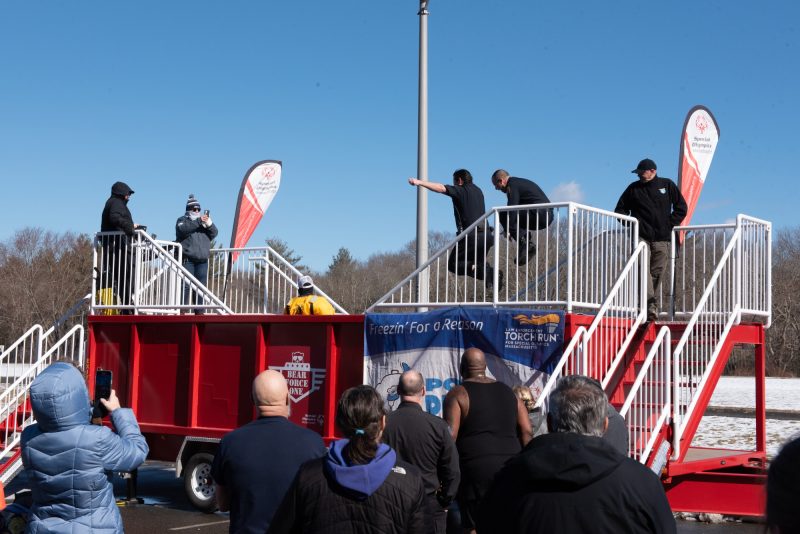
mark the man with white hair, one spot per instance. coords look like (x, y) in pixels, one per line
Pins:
(255, 464)
(572, 479)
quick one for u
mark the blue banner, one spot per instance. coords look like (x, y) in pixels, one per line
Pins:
(521, 347)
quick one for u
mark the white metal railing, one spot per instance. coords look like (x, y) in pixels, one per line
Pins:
(695, 259)
(141, 275)
(648, 403)
(21, 355)
(618, 319)
(255, 280)
(15, 411)
(739, 284)
(598, 350)
(571, 258)
(570, 364)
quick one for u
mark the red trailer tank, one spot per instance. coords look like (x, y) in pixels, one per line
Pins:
(188, 378)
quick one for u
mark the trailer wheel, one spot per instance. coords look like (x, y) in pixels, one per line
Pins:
(198, 484)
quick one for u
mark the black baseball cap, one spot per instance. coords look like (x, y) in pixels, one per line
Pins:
(645, 165)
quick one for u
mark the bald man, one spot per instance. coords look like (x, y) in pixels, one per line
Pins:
(255, 464)
(424, 441)
(489, 424)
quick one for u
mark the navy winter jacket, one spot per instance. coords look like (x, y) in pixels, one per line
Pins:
(69, 460)
(194, 238)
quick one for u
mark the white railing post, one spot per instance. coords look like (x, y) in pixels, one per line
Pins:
(496, 260)
(571, 210)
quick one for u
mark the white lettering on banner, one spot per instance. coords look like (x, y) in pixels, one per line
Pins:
(458, 324)
(386, 329)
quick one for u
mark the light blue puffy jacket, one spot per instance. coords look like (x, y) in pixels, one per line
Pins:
(69, 460)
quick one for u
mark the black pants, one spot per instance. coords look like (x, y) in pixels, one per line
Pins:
(469, 256)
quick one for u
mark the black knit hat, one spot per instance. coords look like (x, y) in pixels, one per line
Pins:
(192, 203)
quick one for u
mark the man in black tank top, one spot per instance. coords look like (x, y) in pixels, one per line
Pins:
(490, 425)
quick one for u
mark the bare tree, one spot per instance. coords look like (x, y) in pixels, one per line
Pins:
(42, 274)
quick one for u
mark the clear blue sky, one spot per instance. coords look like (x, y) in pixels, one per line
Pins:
(182, 97)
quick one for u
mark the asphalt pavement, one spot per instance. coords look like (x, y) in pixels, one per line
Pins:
(166, 509)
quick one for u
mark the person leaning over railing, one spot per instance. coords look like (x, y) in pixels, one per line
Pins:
(469, 258)
(68, 460)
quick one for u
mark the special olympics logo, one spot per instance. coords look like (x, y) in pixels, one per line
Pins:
(269, 170)
(701, 123)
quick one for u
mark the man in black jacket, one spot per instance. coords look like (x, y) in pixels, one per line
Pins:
(521, 225)
(572, 480)
(424, 441)
(117, 265)
(658, 205)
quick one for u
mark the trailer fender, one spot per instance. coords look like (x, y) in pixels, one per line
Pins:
(192, 445)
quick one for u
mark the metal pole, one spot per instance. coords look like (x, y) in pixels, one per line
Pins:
(422, 154)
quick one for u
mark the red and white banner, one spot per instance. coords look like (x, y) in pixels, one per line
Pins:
(698, 144)
(259, 187)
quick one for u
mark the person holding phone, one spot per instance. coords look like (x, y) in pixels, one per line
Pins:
(69, 460)
(195, 231)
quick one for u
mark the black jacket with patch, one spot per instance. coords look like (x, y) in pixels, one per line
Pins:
(658, 205)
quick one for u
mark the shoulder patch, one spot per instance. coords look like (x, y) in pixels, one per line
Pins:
(663, 190)
(399, 470)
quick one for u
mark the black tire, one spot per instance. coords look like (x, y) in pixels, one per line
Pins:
(198, 484)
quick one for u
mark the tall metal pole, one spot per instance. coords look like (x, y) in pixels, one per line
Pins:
(422, 153)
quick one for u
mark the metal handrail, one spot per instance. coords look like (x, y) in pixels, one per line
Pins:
(573, 345)
(576, 214)
(641, 423)
(276, 265)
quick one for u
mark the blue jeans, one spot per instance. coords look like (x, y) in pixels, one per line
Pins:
(199, 270)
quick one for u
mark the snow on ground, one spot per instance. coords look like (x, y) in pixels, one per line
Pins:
(739, 432)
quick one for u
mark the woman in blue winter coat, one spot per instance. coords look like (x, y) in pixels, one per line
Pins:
(69, 461)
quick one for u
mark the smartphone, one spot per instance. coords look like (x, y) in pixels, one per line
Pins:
(206, 213)
(102, 390)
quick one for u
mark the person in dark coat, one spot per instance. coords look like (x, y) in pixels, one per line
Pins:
(617, 430)
(195, 232)
(522, 225)
(572, 479)
(424, 441)
(271, 448)
(658, 205)
(68, 460)
(360, 486)
(116, 259)
(783, 490)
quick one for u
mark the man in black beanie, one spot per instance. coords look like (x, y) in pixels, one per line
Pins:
(195, 232)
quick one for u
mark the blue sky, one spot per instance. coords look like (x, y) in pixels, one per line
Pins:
(183, 97)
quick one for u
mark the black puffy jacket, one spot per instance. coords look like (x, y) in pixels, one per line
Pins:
(116, 215)
(317, 503)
